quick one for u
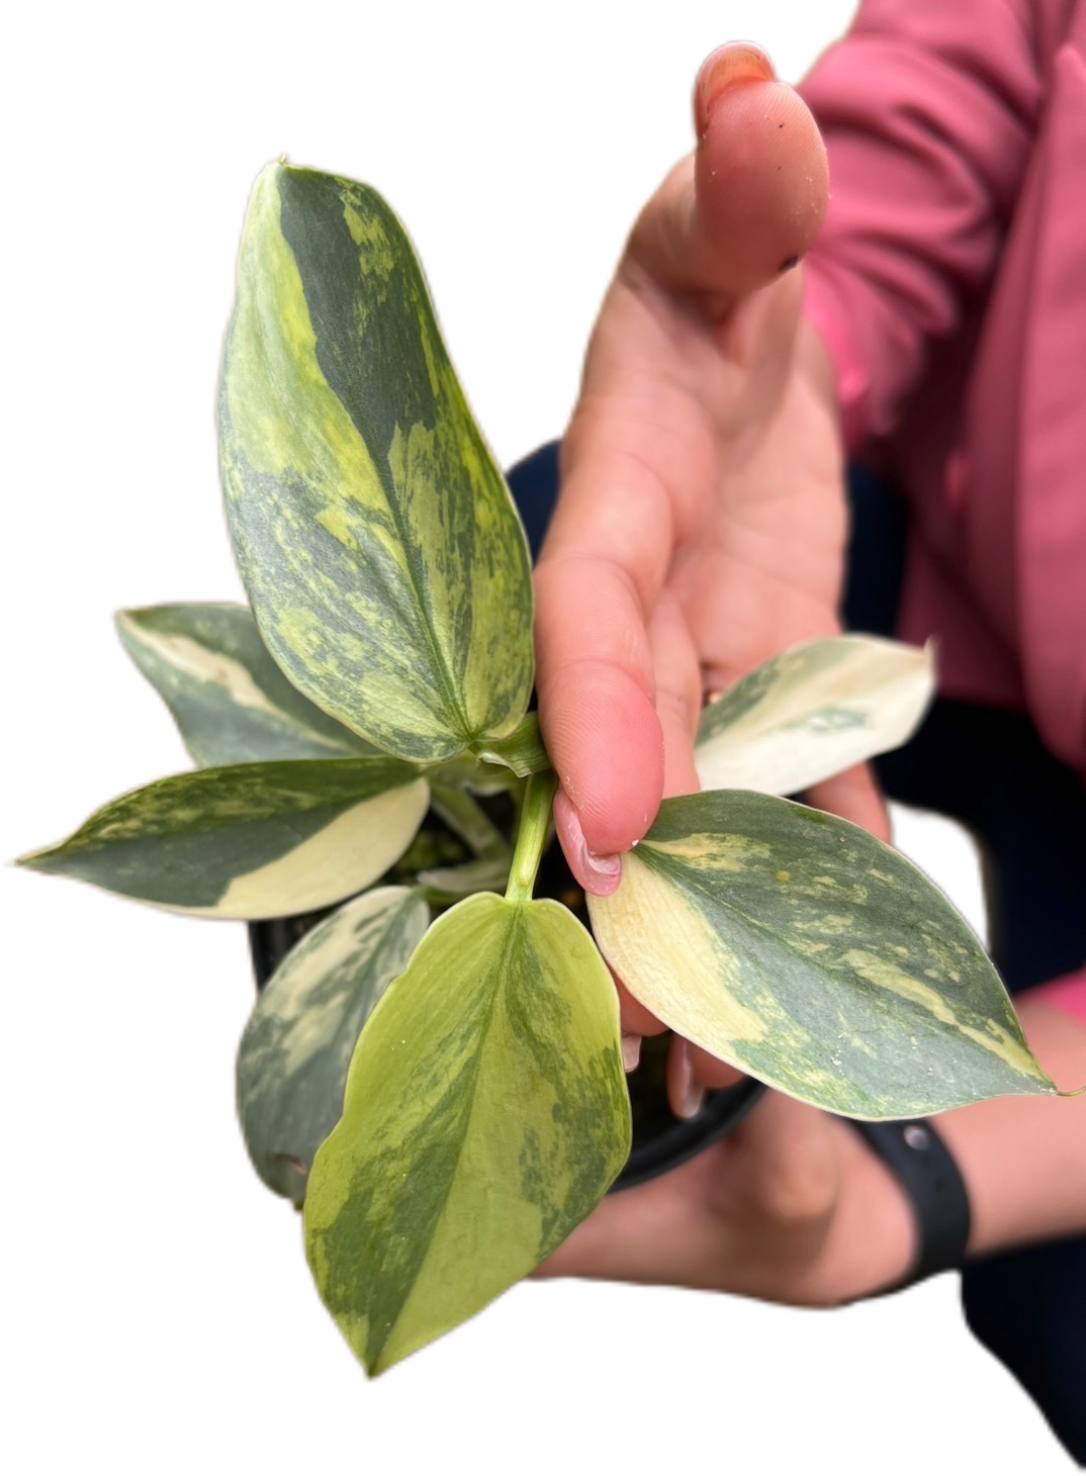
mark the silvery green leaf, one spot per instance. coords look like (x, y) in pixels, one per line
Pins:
(228, 697)
(813, 956)
(455, 882)
(250, 841)
(297, 1046)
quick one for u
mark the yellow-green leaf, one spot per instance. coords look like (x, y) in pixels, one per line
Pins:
(486, 1115)
(815, 957)
(251, 841)
(386, 565)
(812, 712)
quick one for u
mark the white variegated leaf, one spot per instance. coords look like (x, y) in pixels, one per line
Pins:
(812, 712)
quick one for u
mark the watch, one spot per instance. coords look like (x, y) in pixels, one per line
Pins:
(915, 1153)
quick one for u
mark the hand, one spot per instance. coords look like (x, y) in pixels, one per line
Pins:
(790, 1207)
(702, 520)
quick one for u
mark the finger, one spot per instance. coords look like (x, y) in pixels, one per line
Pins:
(636, 1019)
(620, 734)
(855, 796)
(691, 1072)
(678, 704)
(711, 1072)
(599, 573)
(677, 672)
(752, 198)
(622, 508)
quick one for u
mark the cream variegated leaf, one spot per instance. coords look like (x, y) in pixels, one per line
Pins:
(386, 565)
(812, 712)
(250, 841)
(805, 951)
(297, 1046)
(486, 1115)
(228, 697)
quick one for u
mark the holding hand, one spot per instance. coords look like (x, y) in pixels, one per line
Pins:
(702, 522)
(790, 1207)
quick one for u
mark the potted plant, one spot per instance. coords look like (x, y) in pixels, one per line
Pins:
(445, 1094)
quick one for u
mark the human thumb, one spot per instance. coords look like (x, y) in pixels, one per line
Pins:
(750, 201)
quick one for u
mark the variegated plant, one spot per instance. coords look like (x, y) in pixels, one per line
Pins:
(447, 1096)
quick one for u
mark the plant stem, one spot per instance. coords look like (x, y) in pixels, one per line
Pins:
(466, 817)
(469, 771)
(522, 751)
(535, 819)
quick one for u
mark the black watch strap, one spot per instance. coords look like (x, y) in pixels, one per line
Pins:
(915, 1153)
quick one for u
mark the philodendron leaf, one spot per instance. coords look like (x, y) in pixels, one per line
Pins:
(297, 1046)
(231, 702)
(383, 556)
(445, 882)
(812, 712)
(486, 1115)
(465, 817)
(813, 956)
(252, 841)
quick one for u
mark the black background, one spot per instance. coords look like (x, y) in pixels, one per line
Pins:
(517, 164)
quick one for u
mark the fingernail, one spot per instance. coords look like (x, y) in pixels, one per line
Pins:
(607, 871)
(599, 875)
(693, 1101)
(728, 67)
(684, 1093)
(631, 1052)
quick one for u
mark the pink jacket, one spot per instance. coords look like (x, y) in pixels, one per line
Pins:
(949, 284)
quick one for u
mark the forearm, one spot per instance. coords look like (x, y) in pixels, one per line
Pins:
(1023, 1160)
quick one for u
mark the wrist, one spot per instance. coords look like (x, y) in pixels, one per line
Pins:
(1022, 1157)
(873, 1241)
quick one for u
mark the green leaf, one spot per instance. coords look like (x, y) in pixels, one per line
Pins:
(297, 1046)
(813, 712)
(801, 949)
(383, 556)
(252, 841)
(486, 1116)
(231, 702)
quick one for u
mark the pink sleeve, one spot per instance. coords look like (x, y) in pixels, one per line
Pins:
(1067, 994)
(928, 109)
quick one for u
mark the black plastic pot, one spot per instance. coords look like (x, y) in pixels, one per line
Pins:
(661, 1141)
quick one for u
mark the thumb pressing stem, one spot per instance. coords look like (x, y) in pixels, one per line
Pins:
(597, 874)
